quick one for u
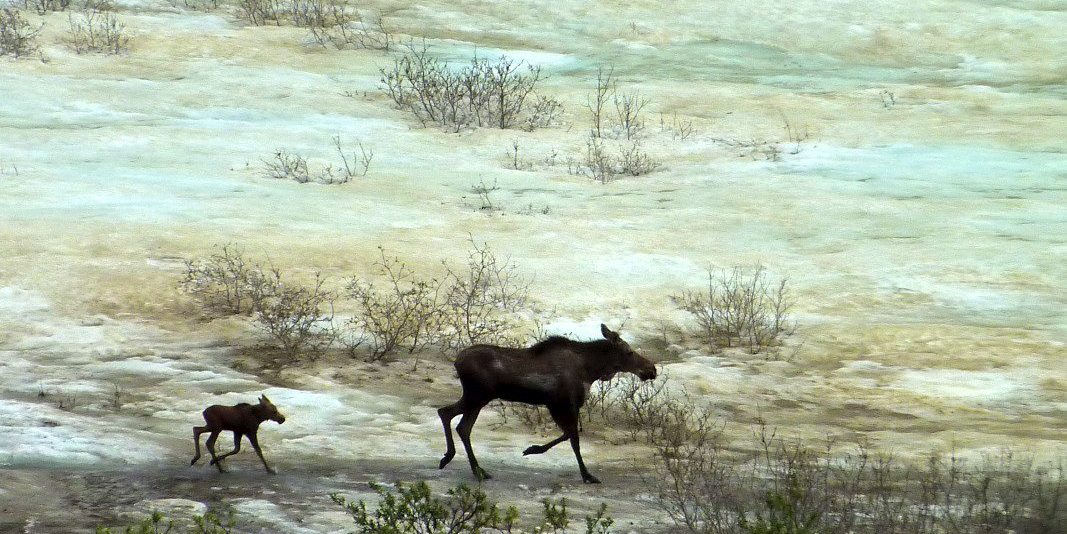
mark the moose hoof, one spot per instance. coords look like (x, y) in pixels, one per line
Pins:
(533, 449)
(444, 461)
(590, 479)
(481, 474)
(272, 470)
(194, 461)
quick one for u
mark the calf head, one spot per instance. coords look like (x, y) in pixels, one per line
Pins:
(629, 361)
(271, 410)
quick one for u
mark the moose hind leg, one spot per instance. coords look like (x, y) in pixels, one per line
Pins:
(541, 449)
(447, 414)
(236, 448)
(464, 429)
(197, 430)
(211, 449)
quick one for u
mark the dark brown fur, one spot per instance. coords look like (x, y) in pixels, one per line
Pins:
(556, 373)
(243, 420)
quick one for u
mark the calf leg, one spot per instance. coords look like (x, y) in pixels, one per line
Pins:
(197, 430)
(448, 413)
(211, 449)
(255, 445)
(567, 419)
(236, 448)
(464, 429)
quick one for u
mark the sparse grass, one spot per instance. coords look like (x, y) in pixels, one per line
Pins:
(287, 165)
(18, 37)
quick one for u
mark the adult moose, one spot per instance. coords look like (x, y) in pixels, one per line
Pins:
(243, 420)
(556, 373)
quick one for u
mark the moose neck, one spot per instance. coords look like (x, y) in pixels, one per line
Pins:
(598, 360)
(260, 412)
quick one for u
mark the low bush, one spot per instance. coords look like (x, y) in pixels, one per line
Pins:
(157, 523)
(298, 319)
(401, 314)
(784, 486)
(484, 93)
(225, 281)
(479, 302)
(97, 29)
(604, 161)
(740, 309)
(345, 27)
(414, 509)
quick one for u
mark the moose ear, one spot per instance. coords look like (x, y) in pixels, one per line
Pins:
(263, 399)
(608, 334)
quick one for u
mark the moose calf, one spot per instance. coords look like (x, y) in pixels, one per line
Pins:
(243, 420)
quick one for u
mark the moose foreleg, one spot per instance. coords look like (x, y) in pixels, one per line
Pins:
(197, 430)
(255, 445)
(567, 419)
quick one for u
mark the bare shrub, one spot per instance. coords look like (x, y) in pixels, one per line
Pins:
(629, 108)
(679, 129)
(636, 162)
(597, 103)
(481, 302)
(477, 303)
(402, 315)
(97, 29)
(600, 163)
(18, 37)
(484, 193)
(739, 309)
(288, 166)
(298, 319)
(226, 280)
(346, 28)
(545, 112)
(484, 93)
(262, 12)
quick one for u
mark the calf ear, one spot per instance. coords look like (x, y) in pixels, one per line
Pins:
(608, 334)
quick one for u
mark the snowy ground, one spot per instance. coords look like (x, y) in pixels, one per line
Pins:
(924, 239)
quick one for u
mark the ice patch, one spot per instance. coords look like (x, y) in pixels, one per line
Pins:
(15, 301)
(977, 387)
